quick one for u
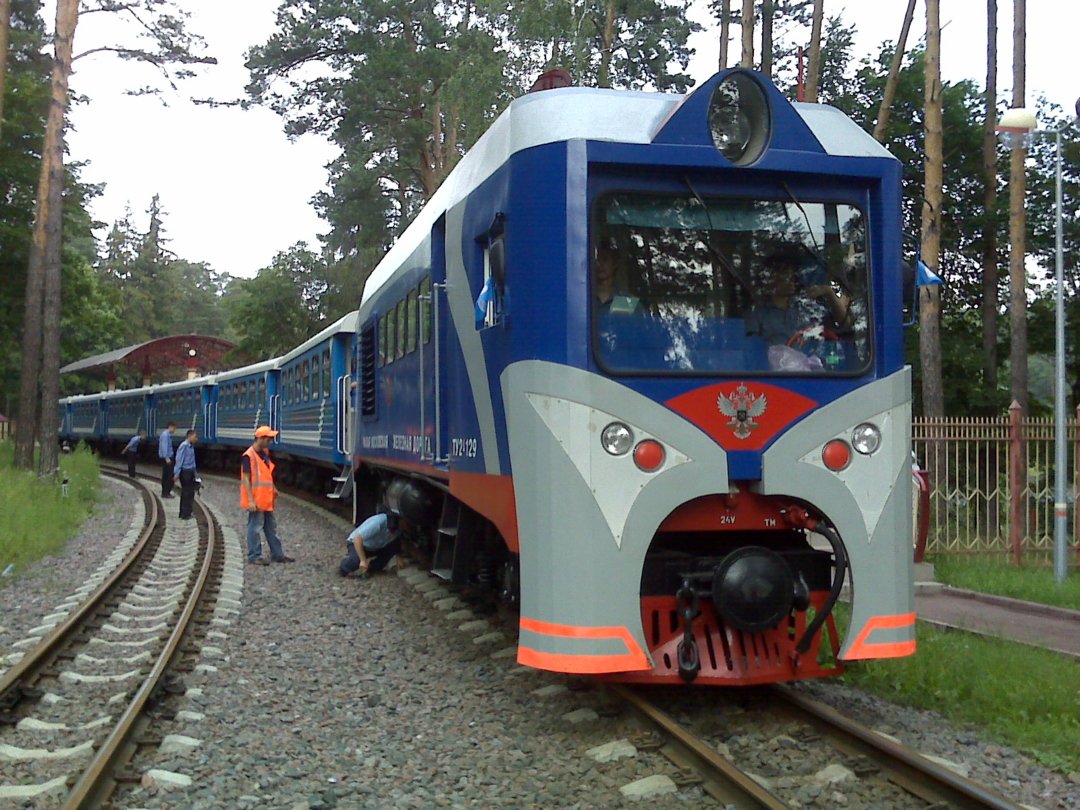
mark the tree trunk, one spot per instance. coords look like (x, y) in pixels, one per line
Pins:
(767, 9)
(894, 75)
(30, 370)
(67, 15)
(930, 297)
(1018, 362)
(5, 36)
(747, 60)
(607, 37)
(725, 24)
(989, 165)
(813, 67)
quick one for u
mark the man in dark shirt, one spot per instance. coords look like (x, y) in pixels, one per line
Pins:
(184, 464)
(132, 451)
(165, 454)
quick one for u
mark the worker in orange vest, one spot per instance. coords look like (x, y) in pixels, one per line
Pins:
(257, 494)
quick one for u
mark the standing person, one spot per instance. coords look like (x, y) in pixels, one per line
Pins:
(165, 454)
(257, 494)
(132, 451)
(373, 544)
(184, 465)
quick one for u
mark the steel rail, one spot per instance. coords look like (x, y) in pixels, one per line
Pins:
(910, 770)
(723, 780)
(29, 668)
(96, 783)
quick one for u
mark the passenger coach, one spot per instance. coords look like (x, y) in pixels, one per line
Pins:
(638, 363)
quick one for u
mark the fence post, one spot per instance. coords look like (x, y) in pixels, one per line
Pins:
(1016, 464)
(1076, 485)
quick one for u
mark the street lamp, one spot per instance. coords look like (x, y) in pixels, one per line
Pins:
(1020, 122)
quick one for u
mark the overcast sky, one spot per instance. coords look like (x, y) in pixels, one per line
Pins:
(235, 191)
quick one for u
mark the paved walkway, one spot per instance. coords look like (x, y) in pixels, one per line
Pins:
(1053, 628)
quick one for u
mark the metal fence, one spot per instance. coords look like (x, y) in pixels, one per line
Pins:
(992, 484)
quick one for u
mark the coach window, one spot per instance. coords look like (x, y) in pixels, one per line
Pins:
(243, 395)
(402, 325)
(260, 394)
(425, 310)
(382, 341)
(326, 373)
(391, 334)
(414, 316)
(315, 376)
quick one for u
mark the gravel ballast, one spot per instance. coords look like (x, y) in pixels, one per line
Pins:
(331, 692)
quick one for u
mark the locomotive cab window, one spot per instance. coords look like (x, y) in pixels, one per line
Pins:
(687, 285)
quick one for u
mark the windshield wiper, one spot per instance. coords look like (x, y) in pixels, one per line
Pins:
(816, 252)
(721, 259)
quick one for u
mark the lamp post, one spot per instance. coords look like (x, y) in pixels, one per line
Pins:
(1020, 122)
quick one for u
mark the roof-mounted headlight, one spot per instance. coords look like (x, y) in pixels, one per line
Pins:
(739, 119)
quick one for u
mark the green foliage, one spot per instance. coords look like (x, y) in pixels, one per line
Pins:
(282, 306)
(1024, 697)
(26, 97)
(404, 87)
(628, 44)
(160, 294)
(35, 517)
(999, 576)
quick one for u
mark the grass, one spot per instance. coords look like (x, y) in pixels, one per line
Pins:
(1022, 697)
(998, 576)
(36, 520)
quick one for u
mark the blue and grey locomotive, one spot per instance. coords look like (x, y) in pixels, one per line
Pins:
(637, 367)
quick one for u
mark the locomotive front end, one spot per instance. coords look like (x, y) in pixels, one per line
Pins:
(730, 446)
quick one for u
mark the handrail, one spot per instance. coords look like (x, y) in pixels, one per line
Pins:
(438, 376)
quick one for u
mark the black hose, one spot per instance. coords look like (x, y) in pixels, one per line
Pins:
(840, 561)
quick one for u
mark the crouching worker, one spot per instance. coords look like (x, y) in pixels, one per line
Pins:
(373, 544)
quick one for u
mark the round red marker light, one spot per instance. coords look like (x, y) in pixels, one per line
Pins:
(649, 455)
(836, 455)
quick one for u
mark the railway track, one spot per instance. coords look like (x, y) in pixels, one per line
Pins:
(925, 783)
(78, 706)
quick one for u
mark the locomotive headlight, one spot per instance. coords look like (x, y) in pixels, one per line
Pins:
(866, 438)
(617, 439)
(739, 119)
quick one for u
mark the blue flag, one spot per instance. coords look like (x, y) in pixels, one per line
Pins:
(926, 277)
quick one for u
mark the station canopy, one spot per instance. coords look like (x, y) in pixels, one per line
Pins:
(166, 358)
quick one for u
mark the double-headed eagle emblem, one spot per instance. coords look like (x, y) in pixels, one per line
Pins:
(743, 407)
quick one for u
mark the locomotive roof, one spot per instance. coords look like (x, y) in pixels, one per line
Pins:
(593, 114)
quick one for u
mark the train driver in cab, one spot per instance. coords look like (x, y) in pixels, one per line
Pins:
(790, 312)
(607, 299)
